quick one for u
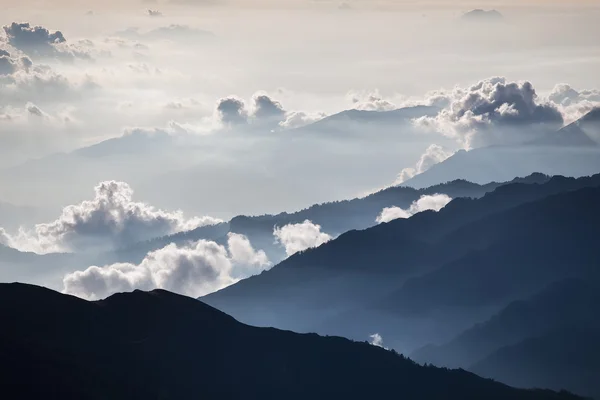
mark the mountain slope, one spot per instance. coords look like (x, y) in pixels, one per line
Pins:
(565, 358)
(571, 302)
(572, 151)
(429, 277)
(160, 345)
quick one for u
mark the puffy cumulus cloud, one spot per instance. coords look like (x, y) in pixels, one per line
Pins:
(264, 112)
(194, 270)
(370, 101)
(111, 220)
(494, 111)
(299, 237)
(242, 252)
(428, 202)
(37, 41)
(265, 108)
(433, 155)
(8, 65)
(573, 103)
(297, 119)
(232, 111)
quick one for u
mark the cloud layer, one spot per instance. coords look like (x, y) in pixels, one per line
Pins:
(111, 220)
(428, 202)
(299, 237)
(194, 270)
(494, 111)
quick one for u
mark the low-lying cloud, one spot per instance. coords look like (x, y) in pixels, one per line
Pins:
(111, 220)
(193, 270)
(300, 237)
(433, 155)
(428, 202)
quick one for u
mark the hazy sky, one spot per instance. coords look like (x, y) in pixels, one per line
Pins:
(122, 70)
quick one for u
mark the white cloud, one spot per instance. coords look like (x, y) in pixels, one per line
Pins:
(297, 119)
(493, 111)
(376, 340)
(572, 103)
(112, 219)
(433, 155)
(370, 101)
(243, 253)
(427, 202)
(299, 237)
(194, 270)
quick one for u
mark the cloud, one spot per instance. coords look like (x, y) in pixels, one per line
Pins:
(7, 64)
(154, 13)
(243, 253)
(299, 237)
(370, 101)
(173, 33)
(494, 111)
(265, 112)
(428, 202)
(111, 220)
(297, 119)
(37, 41)
(194, 270)
(232, 111)
(572, 103)
(267, 108)
(433, 155)
(22, 81)
(376, 340)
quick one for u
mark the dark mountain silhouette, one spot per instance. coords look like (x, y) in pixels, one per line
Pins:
(409, 278)
(161, 345)
(567, 303)
(572, 151)
(565, 358)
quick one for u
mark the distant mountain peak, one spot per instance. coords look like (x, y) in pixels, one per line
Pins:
(482, 15)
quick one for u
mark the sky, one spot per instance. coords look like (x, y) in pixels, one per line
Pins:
(228, 83)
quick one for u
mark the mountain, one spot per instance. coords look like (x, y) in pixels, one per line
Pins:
(344, 120)
(483, 15)
(161, 345)
(427, 278)
(567, 303)
(572, 151)
(566, 358)
(334, 217)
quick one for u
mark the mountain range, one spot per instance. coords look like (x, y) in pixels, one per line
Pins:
(159, 345)
(571, 151)
(428, 278)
